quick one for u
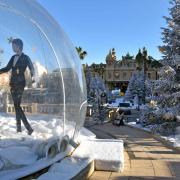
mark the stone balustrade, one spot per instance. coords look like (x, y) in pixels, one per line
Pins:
(35, 108)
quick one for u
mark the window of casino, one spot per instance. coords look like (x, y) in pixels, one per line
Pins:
(124, 75)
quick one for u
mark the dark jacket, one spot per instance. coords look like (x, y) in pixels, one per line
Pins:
(17, 74)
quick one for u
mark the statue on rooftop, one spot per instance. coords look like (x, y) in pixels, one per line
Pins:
(111, 57)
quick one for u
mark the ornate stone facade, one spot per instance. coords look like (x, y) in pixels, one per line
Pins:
(117, 73)
(123, 70)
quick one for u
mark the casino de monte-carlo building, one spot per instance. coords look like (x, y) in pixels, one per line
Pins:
(117, 73)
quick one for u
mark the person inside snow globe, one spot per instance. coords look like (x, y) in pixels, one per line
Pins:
(17, 65)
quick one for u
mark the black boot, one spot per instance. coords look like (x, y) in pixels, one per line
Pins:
(30, 131)
(18, 125)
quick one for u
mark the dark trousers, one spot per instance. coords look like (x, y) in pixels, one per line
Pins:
(17, 93)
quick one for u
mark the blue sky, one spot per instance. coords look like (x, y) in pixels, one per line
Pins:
(98, 25)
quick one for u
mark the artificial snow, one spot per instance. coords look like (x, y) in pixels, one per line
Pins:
(70, 166)
(134, 124)
(107, 153)
(18, 155)
(45, 126)
(26, 170)
(21, 154)
(66, 169)
(175, 139)
(85, 134)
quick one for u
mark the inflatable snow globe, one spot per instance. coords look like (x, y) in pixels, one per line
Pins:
(42, 89)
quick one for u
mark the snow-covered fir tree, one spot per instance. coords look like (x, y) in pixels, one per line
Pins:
(167, 88)
(136, 87)
(97, 83)
(171, 36)
(139, 85)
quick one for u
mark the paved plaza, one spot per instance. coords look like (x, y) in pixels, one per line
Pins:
(145, 157)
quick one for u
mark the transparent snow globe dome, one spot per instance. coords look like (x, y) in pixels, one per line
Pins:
(55, 104)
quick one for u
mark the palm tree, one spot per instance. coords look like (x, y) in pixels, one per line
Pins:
(81, 52)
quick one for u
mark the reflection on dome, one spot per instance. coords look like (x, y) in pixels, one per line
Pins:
(55, 104)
